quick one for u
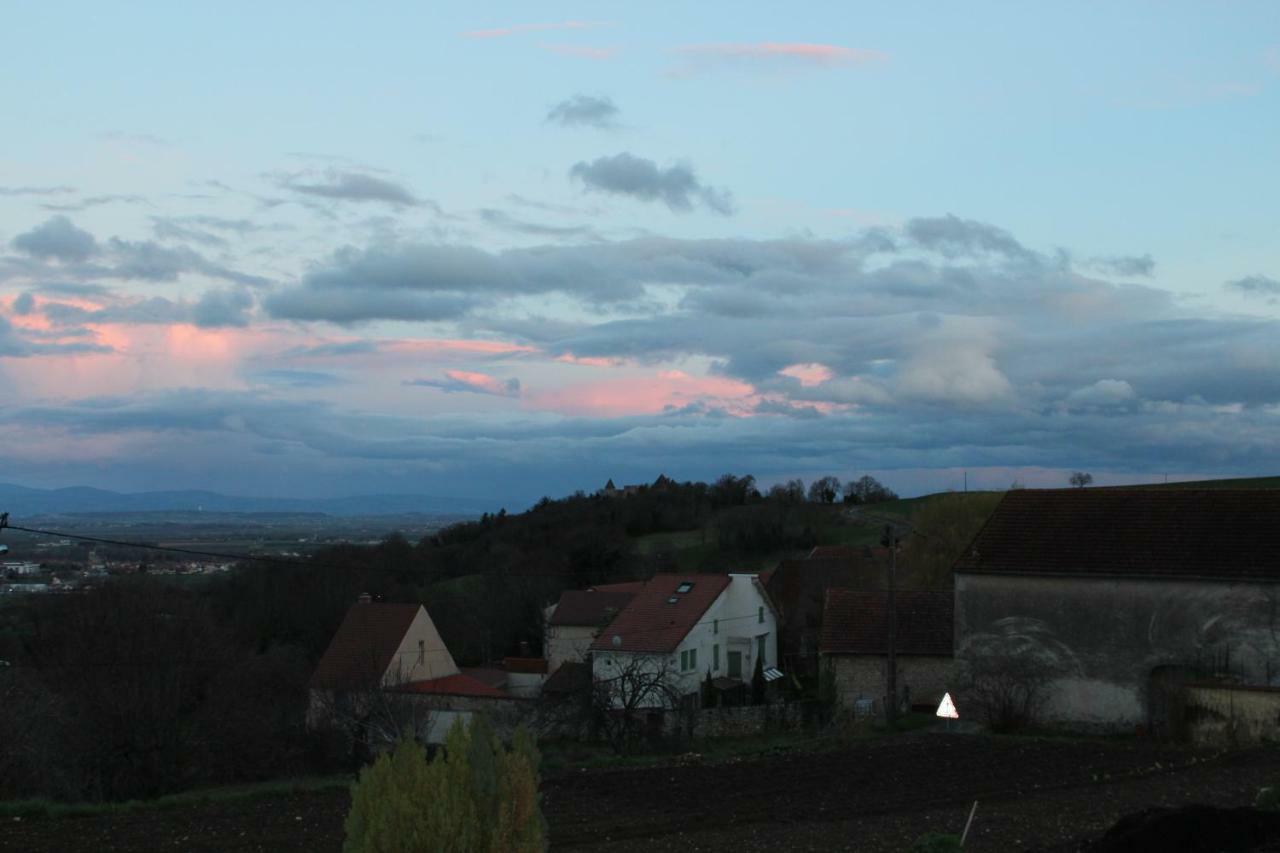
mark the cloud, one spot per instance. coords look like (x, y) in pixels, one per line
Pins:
(1101, 394)
(39, 191)
(227, 307)
(96, 201)
(1127, 266)
(353, 186)
(147, 260)
(580, 51)
(517, 29)
(471, 382)
(954, 237)
(676, 186)
(57, 239)
(772, 55)
(17, 343)
(506, 222)
(1255, 285)
(296, 378)
(598, 111)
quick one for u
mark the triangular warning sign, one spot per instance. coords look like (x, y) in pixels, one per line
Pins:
(947, 708)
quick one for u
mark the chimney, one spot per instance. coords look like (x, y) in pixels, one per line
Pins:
(364, 598)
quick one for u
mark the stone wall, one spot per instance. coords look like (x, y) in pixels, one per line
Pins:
(1232, 715)
(922, 680)
(746, 720)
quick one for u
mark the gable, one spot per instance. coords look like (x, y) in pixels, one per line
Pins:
(659, 616)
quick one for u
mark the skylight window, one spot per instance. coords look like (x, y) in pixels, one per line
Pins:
(684, 587)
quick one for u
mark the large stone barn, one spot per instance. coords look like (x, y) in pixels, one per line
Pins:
(1110, 599)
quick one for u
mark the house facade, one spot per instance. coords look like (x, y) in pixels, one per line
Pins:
(854, 647)
(574, 622)
(1119, 597)
(677, 629)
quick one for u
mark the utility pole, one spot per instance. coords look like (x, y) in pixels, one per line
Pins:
(890, 541)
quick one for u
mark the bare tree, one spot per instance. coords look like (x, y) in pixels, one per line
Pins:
(373, 715)
(824, 490)
(631, 696)
(1009, 689)
(1080, 479)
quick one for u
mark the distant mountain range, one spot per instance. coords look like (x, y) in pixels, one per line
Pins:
(21, 502)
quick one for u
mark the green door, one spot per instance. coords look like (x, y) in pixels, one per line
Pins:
(735, 664)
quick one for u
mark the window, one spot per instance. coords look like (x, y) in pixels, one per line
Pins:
(684, 661)
(760, 615)
(693, 658)
(715, 657)
(422, 651)
(684, 587)
(688, 660)
(715, 626)
(760, 648)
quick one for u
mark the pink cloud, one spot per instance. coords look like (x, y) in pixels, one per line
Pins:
(598, 54)
(808, 374)
(471, 381)
(646, 395)
(774, 54)
(503, 32)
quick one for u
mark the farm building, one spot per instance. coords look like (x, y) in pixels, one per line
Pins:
(573, 622)
(854, 643)
(1119, 597)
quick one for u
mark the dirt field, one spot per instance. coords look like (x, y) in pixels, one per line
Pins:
(1034, 794)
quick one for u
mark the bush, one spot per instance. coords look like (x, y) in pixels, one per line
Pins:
(475, 796)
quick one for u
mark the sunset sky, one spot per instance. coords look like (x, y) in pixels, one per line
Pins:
(512, 249)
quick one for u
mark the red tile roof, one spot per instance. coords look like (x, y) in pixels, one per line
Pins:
(623, 586)
(855, 622)
(652, 622)
(361, 650)
(1222, 534)
(589, 609)
(455, 685)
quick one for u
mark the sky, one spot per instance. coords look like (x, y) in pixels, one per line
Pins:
(505, 250)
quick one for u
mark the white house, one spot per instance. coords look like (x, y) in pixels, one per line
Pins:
(678, 628)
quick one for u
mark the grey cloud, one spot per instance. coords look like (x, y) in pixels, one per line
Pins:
(1255, 285)
(228, 307)
(354, 186)
(296, 378)
(24, 303)
(345, 307)
(596, 111)
(498, 219)
(40, 191)
(952, 237)
(57, 239)
(676, 186)
(96, 201)
(15, 343)
(149, 261)
(1125, 265)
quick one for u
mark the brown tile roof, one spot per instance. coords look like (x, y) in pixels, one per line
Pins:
(1227, 534)
(854, 622)
(652, 623)
(571, 677)
(460, 684)
(589, 608)
(361, 650)
(527, 666)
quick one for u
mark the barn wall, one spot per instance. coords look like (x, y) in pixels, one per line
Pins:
(924, 678)
(1231, 716)
(1101, 640)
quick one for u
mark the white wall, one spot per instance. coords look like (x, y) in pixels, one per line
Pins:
(434, 661)
(568, 642)
(737, 611)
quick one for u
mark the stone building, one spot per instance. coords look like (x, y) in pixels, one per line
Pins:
(854, 644)
(1121, 596)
